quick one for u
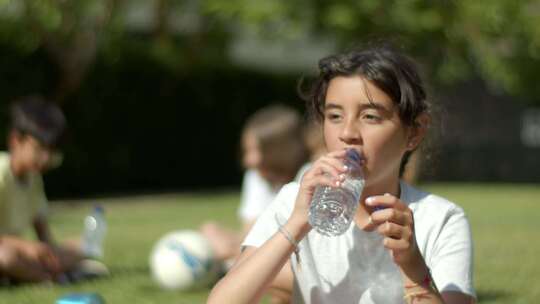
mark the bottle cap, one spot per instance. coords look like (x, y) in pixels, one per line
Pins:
(353, 161)
(353, 155)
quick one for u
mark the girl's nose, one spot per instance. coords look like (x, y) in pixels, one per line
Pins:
(351, 133)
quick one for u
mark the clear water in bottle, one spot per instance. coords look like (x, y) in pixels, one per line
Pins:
(95, 228)
(332, 209)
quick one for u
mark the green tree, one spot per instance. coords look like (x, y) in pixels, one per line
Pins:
(498, 40)
(73, 33)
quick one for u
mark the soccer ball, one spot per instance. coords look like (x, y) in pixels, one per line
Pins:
(183, 260)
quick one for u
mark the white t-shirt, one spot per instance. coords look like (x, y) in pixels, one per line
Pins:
(302, 171)
(356, 268)
(257, 194)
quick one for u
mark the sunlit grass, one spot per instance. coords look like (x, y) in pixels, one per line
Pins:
(505, 220)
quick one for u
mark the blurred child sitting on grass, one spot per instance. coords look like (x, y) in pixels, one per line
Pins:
(273, 151)
(36, 129)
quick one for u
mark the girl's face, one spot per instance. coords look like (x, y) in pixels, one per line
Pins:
(253, 158)
(252, 155)
(359, 115)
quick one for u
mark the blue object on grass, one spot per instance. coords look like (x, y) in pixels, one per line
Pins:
(81, 298)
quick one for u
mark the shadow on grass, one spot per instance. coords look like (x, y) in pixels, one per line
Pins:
(122, 271)
(149, 287)
(153, 288)
(492, 295)
(116, 273)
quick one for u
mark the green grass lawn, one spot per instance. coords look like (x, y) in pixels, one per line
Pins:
(505, 221)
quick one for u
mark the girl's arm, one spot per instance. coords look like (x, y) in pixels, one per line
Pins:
(420, 290)
(42, 229)
(256, 268)
(281, 288)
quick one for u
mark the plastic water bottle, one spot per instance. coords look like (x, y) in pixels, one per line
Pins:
(95, 228)
(333, 208)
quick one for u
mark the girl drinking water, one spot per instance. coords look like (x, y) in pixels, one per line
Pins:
(404, 245)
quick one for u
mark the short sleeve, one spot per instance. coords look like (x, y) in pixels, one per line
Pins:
(452, 259)
(256, 195)
(301, 172)
(278, 211)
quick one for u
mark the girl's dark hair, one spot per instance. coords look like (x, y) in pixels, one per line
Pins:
(38, 118)
(393, 73)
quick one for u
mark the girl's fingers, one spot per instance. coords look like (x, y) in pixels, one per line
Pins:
(396, 224)
(390, 230)
(328, 170)
(324, 168)
(386, 201)
(321, 179)
(399, 217)
(335, 162)
(389, 209)
(393, 244)
(337, 154)
(328, 165)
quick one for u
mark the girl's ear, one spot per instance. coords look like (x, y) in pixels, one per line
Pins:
(418, 131)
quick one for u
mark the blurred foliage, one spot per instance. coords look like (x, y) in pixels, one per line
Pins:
(496, 39)
(150, 86)
(74, 34)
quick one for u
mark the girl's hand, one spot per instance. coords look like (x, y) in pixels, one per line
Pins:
(45, 255)
(328, 170)
(396, 224)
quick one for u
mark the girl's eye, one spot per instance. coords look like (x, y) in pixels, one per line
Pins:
(333, 116)
(372, 117)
